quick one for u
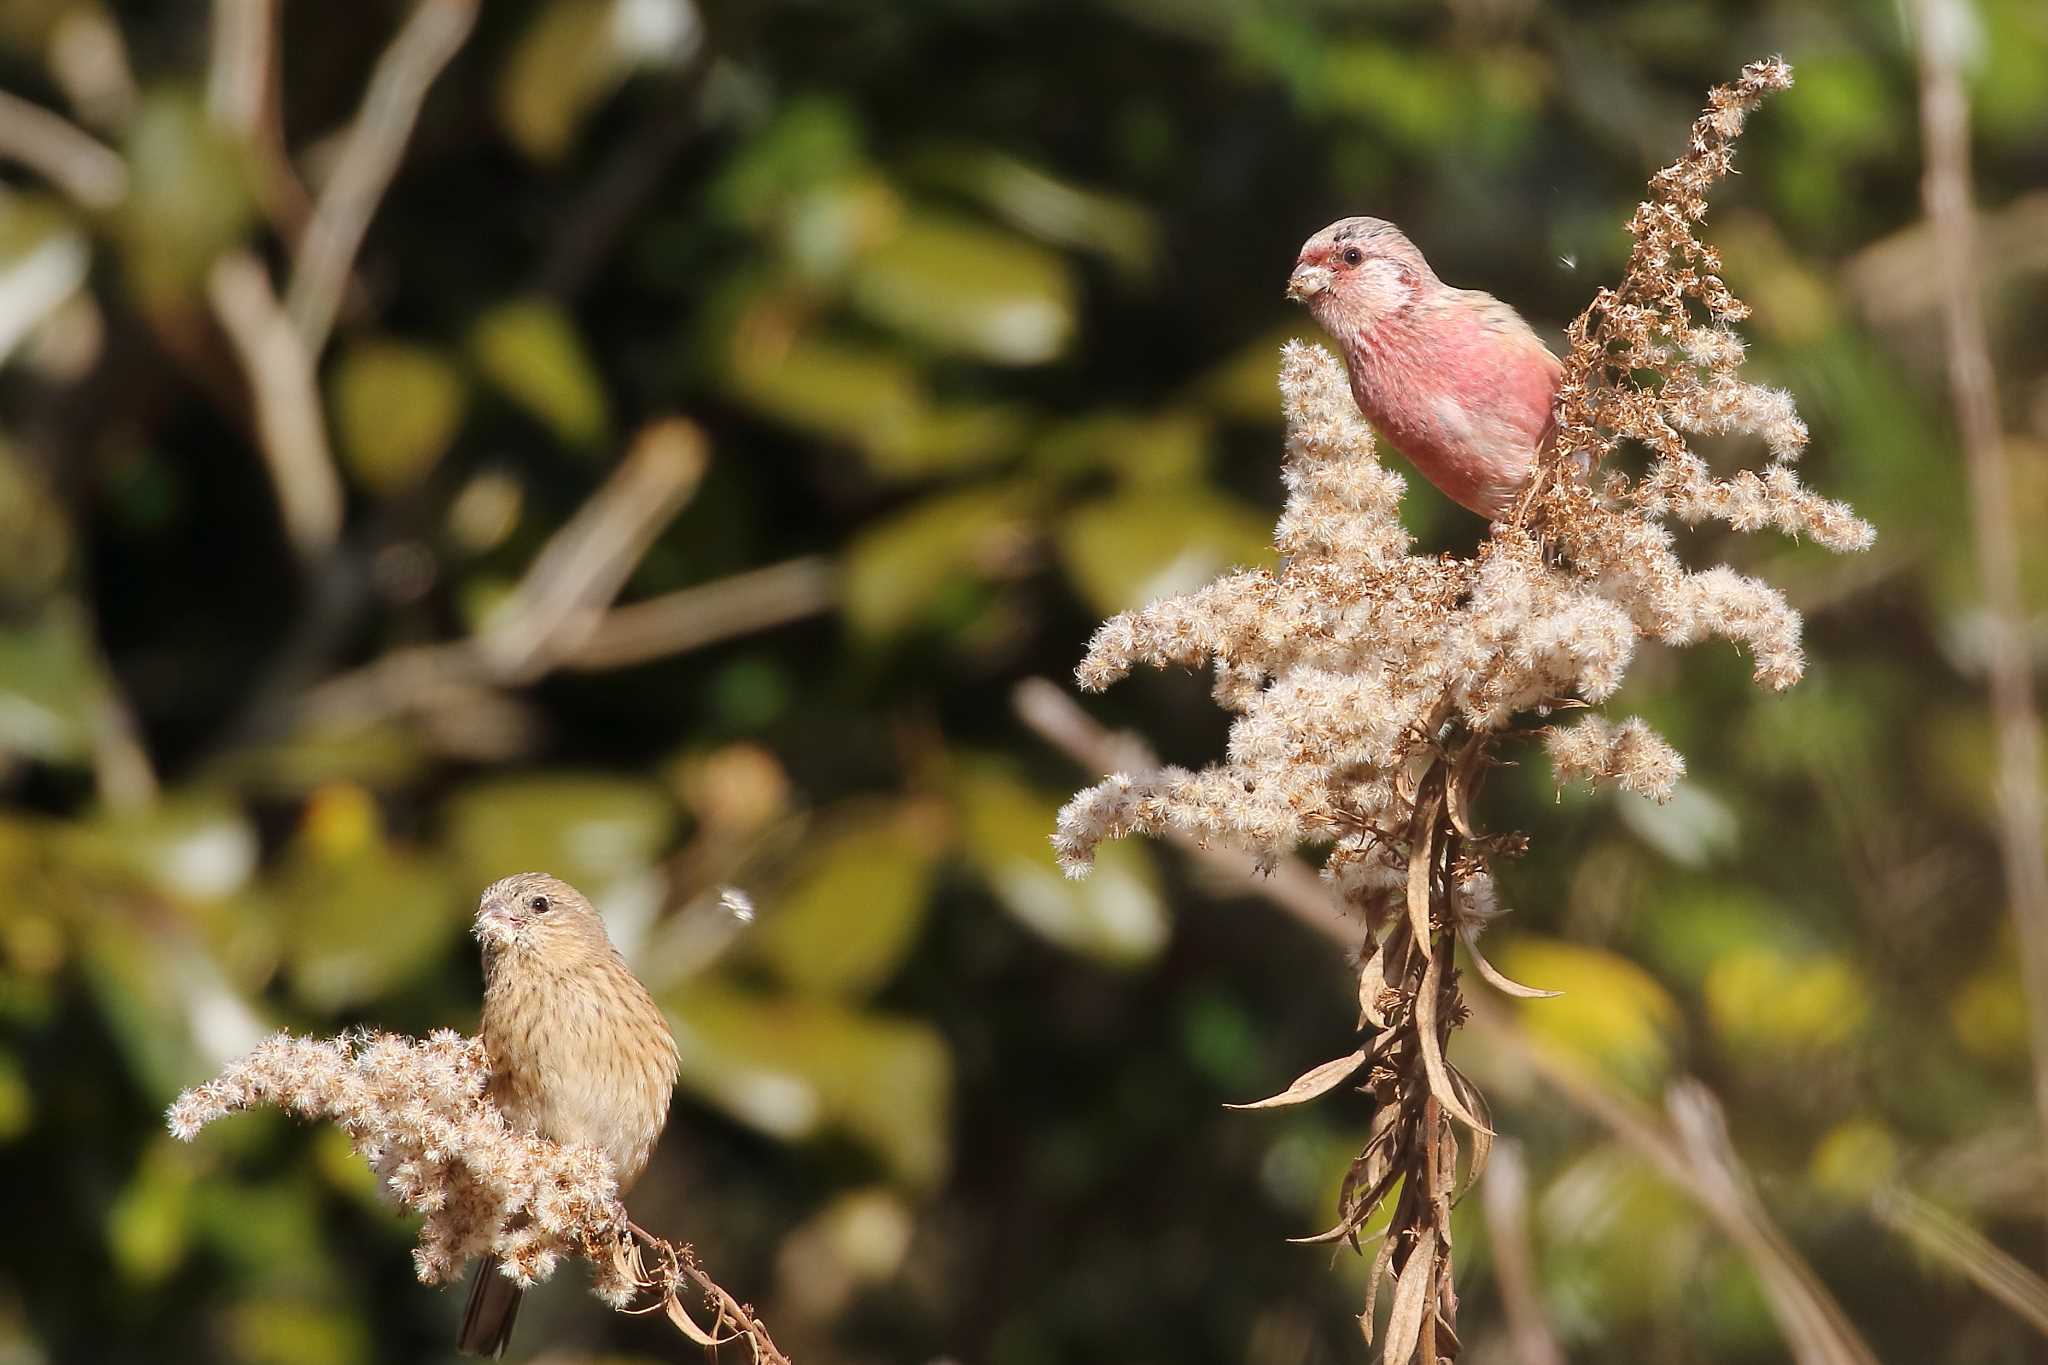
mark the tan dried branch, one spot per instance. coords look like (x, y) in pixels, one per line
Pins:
(429, 40)
(416, 1110)
(62, 153)
(1943, 1237)
(1505, 1200)
(1942, 27)
(291, 432)
(560, 615)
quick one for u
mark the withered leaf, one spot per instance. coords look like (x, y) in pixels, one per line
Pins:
(1482, 1138)
(1316, 1081)
(1372, 979)
(1411, 1299)
(1493, 976)
(1380, 1261)
(1421, 851)
(1432, 1049)
(687, 1325)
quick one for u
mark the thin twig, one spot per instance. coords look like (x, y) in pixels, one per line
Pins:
(243, 94)
(1504, 1197)
(560, 614)
(582, 567)
(398, 86)
(1943, 1237)
(1814, 1325)
(1943, 30)
(62, 153)
(290, 430)
(89, 62)
(680, 1261)
(690, 618)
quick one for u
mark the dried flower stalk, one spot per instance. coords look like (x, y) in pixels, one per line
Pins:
(1372, 687)
(415, 1110)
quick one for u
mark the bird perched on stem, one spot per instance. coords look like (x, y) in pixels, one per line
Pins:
(579, 1051)
(1453, 377)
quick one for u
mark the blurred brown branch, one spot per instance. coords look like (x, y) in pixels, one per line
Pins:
(1692, 1152)
(291, 432)
(391, 109)
(1943, 30)
(690, 618)
(62, 153)
(243, 91)
(561, 615)
(1943, 1237)
(1504, 1197)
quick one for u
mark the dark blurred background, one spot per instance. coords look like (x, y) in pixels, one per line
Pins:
(975, 307)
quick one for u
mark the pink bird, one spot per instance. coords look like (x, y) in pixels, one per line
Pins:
(1453, 377)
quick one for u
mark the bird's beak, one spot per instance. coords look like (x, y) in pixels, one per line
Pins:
(1307, 281)
(494, 923)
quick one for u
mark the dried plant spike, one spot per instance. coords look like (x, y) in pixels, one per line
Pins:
(415, 1110)
(1371, 688)
(1317, 1081)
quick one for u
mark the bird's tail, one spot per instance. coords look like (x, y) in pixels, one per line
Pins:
(493, 1305)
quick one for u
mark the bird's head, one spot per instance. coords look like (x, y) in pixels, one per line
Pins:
(1356, 272)
(533, 912)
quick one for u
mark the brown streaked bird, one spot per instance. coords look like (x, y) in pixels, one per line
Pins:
(579, 1051)
(1453, 377)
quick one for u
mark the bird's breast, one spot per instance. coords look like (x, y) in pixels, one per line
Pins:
(580, 1057)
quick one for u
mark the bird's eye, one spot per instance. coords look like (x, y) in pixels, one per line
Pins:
(1352, 255)
(540, 905)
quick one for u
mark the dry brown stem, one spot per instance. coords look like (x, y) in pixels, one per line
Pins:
(291, 432)
(1942, 27)
(431, 37)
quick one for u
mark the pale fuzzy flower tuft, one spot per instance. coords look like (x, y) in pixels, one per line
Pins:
(1475, 904)
(1630, 755)
(415, 1110)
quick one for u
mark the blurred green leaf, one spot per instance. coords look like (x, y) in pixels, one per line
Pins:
(1772, 1002)
(965, 288)
(193, 845)
(1612, 1014)
(562, 65)
(1131, 548)
(531, 351)
(1114, 916)
(360, 918)
(17, 1105)
(297, 1331)
(818, 385)
(590, 830)
(359, 930)
(812, 142)
(148, 1227)
(188, 195)
(1035, 201)
(1855, 1159)
(1691, 829)
(49, 679)
(899, 567)
(795, 1067)
(35, 534)
(855, 903)
(1988, 1015)
(397, 408)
